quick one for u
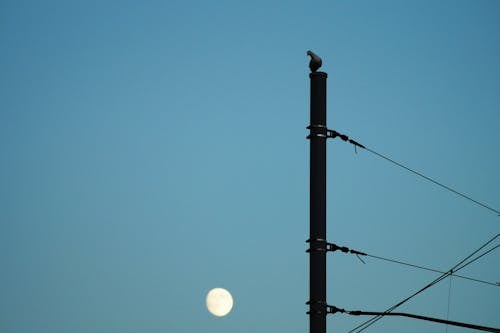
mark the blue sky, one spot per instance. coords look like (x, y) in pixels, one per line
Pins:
(150, 151)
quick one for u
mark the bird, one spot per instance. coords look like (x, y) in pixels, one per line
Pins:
(315, 62)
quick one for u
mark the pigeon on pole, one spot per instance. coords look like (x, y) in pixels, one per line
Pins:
(315, 62)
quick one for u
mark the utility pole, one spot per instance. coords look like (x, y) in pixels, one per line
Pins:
(317, 199)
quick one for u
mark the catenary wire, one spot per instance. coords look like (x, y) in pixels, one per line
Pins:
(434, 181)
(414, 316)
(334, 134)
(455, 268)
(363, 326)
(334, 247)
(372, 320)
(334, 309)
(482, 255)
(431, 269)
(458, 267)
(448, 307)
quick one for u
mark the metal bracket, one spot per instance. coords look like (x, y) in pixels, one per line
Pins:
(334, 247)
(333, 134)
(317, 245)
(320, 308)
(333, 309)
(322, 246)
(317, 308)
(318, 131)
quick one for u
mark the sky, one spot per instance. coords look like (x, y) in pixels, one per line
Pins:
(153, 150)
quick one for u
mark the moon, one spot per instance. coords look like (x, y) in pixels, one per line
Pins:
(219, 302)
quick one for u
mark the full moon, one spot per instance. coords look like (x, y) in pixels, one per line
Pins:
(219, 302)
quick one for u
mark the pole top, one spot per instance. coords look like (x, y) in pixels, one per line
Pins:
(318, 75)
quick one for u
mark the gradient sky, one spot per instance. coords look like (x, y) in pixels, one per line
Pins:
(153, 150)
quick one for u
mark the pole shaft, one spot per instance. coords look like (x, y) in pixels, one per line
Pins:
(317, 204)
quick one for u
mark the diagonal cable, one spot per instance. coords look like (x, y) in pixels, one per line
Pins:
(455, 268)
(431, 269)
(335, 134)
(334, 247)
(434, 181)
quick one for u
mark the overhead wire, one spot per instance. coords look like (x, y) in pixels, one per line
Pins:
(435, 182)
(333, 309)
(455, 268)
(431, 269)
(448, 307)
(334, 134)
(460, 265)
(335, 247)
(482, 255)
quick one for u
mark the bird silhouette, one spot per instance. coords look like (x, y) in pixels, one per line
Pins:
(315, 62)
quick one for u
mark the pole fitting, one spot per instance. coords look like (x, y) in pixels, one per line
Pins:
(317, 308)
(321, 308)
(318, 131)
(333, 134)
(317, 245)
(333, 309)
(334, 247)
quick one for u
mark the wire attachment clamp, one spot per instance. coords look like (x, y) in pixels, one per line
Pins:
(317, 245)
(318, 131)
(334, 134)
(317, 308)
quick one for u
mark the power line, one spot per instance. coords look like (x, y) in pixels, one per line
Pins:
(333, 309)
(435, 182)
(431, 269)
(334, 134)
(458, 267)
(334, 247)
(455, 268)
(482, 255)
(448, 307)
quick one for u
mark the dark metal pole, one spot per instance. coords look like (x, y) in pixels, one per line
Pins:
(317, 202)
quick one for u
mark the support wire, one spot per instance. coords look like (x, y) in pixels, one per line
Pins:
(335, 134)
(452, 270)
